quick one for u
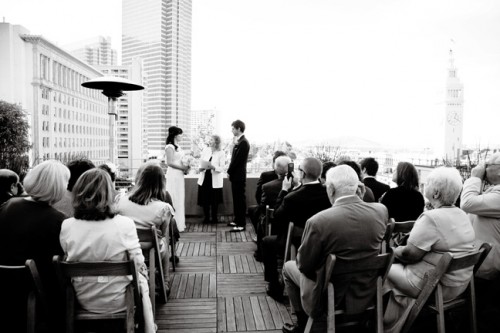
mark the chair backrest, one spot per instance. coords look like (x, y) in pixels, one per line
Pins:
(404, 226)
(69, 269)
(447, 263)
(33, 294)
(288, 245)
(360, 274)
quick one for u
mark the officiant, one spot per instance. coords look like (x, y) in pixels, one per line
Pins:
(212, 162)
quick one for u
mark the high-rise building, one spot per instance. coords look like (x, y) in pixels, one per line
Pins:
(453, 125)
(159, 32)
(131, 135)
(66, 120)
(96, 51)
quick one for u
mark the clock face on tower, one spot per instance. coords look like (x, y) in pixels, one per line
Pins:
(454, 118)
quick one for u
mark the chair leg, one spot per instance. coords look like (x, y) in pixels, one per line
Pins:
(172, 243)
(330, 324)
(472, 306)
(152, 282)
(309, 325)
(440, 310)
(31, 316)
(380, 307)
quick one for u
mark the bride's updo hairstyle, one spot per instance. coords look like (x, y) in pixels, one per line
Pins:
(173, 131)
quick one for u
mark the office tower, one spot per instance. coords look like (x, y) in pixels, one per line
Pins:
(159, 32)
(454, 114)
(66, 120)
(96, 51)
(131, 135)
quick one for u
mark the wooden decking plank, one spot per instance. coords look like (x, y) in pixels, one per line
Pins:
(285, 315)
(212, 289)
(197, 285)
(257, 314)
(190, 286)
(232, 264)
(182, 286)
(220, 266)
(175, 285)
(240, 316)
(238, 264)
(275, 313)
(225, 264)
(188, 330)
(221, 315)
(244, 262)
(204, 285)
(247, 311)
(196, 250)
(266, 314)
(230, 315)
(185, 248)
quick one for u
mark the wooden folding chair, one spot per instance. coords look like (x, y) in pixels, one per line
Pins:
(290, 250)
(132, 315)
(36, 302)
(352, 269)
(447, 264)
(268, 219)
(148, 238)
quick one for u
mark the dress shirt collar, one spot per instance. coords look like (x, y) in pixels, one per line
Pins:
(237, 138)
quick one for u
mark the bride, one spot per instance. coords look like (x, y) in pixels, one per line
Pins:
(175, 174)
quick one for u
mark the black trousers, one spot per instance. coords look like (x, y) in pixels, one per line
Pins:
(270, 248)
(239, 201)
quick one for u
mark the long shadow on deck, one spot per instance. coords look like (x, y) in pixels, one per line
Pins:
(218, 286)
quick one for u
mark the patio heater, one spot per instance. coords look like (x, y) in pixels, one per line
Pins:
(113, 88)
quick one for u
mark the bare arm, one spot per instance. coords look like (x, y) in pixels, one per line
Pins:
(409, 254)
(485, 204)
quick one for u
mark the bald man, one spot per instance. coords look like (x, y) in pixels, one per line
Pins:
(295, 206)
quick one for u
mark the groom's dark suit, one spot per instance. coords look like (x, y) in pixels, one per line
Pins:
(237, 173)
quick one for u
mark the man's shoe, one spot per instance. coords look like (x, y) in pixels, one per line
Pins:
(237, 229)
(257, 256)
(232, 224)
(289, 328)
(176, 258)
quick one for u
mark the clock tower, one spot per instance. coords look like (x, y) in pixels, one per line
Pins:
(453, 122)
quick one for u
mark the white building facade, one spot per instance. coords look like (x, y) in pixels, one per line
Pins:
(159, 32)
(95, 51)
(66, 120)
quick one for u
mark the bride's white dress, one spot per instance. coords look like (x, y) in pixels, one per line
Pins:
(175, 186)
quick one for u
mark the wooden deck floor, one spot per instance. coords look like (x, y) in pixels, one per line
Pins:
(218, 286)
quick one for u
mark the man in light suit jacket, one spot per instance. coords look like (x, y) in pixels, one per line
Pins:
(350, 229)
(369, 167)
(237, 173)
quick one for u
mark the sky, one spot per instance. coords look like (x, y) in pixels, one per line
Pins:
(317, 69)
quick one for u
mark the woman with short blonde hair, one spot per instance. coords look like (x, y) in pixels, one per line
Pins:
(30, 226)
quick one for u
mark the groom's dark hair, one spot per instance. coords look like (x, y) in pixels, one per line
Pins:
(239, 124)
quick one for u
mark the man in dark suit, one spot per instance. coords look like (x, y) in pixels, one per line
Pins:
(255, 212)
(270, 191)
(296, 206)
(369, 167)
(350, 229)
(237, 173)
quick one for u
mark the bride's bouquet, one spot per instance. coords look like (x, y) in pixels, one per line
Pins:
(190, 162)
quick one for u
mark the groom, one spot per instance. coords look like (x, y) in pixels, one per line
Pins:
(237, 173)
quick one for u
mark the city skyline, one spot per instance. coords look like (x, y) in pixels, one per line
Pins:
(299, 72)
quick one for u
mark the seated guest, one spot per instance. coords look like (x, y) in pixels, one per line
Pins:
(111, 169)
(364, 192)
(255, 212)
(369, 167)
(146, 203)
(295, 206)
(404, 202)
(29, 229)
(110, 237)
(445, 228)
(326, 166)
(270, 191)
(76, 168)
(350, 229)
(8, 184)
